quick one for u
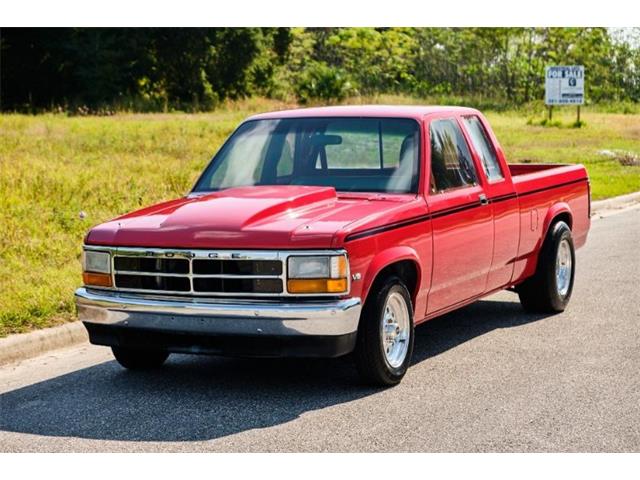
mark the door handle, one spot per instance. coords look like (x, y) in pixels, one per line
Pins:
(483, 199)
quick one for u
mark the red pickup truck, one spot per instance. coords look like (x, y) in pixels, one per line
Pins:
(327, 231)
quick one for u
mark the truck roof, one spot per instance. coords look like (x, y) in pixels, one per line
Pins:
(402, 111)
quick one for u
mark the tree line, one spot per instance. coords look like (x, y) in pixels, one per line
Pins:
(193, 69)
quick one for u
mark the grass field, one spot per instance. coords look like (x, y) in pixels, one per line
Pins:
(54, 167)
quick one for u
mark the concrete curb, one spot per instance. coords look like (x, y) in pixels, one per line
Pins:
(616, 203)
(27, 345)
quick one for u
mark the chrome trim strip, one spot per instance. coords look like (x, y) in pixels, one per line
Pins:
(198, 275)
(152, 274)
(238, 277)
(248, 317)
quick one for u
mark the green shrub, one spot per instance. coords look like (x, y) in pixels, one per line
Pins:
(321, 82)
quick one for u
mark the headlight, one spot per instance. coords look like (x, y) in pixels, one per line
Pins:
(318, 274)
(96, 268)
(93, 261)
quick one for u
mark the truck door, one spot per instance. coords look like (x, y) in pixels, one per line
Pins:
(462, 219)
(502, 197)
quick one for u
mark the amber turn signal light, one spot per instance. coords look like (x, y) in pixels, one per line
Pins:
(96, 279)
(317, 285)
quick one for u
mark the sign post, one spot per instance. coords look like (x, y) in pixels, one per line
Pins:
(564, 85)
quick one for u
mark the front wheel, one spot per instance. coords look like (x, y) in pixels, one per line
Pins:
(385, 334)
(549, 290)
(139, 359)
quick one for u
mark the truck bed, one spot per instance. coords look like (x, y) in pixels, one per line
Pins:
(530, 178)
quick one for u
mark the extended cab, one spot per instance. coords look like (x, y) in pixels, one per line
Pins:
(322, 231)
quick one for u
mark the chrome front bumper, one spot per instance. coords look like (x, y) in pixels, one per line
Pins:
(251, 317)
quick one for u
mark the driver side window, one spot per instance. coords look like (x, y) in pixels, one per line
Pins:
(451, 163)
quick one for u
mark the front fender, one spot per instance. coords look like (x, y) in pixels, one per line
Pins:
(387, 257)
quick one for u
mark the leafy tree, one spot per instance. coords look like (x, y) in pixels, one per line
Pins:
(196, 68)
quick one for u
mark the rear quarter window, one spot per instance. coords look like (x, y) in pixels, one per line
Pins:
(483, 147)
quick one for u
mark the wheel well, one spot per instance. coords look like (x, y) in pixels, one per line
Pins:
(564, 217)
(407, 270)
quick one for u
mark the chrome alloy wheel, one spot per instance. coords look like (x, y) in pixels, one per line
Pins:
(395, 330)
(563, 267)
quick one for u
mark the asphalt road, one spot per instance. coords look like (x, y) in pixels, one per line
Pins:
(487, 378)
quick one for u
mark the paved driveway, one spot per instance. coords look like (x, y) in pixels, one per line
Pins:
(487, 378)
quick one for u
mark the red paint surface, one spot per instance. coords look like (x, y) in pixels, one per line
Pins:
(459, 256)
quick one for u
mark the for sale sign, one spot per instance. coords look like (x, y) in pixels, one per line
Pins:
(564, 85)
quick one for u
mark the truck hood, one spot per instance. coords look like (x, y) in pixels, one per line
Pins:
(252, 217)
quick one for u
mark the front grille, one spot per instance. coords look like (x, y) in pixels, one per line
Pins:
(237, 267)
(199, 272)
(234, 285)
(152, 282)
(156, 265)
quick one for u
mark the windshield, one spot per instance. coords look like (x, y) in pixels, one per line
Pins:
(350, 154)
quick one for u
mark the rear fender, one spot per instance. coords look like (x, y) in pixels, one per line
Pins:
(555, 210)
(560, 208)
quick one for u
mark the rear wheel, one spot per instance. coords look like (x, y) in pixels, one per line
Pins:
(549, 290)
(139, 359)
(385, 334)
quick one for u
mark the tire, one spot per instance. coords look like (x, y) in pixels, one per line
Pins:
(388, 297)
(139, 359)
(548, 291)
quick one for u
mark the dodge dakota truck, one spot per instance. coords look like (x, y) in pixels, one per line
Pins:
(333, 231)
